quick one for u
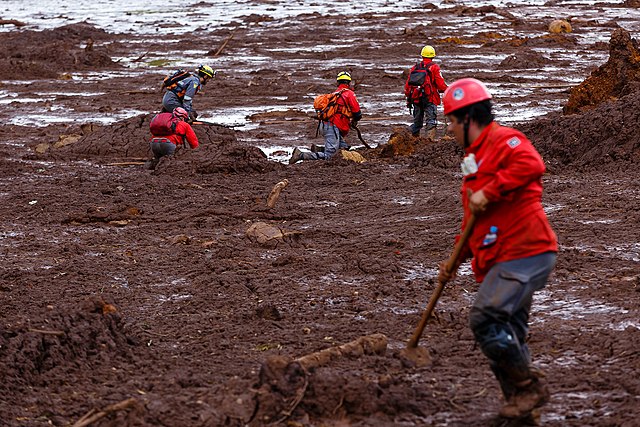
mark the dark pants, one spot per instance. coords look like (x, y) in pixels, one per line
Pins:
(500, 314)
(423, 112)
(162, 147)
(170, 102)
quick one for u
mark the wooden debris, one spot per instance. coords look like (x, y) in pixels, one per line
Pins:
(275, 193)
(225, 43)
(369, 344)
(125, 164)
(94, 415)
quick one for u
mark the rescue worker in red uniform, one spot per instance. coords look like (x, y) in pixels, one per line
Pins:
(182, 134)
(337, 126)
(423, 95)
(512, 244)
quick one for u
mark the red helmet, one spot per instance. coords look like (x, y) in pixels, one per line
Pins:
(180, 113)
(463, 93)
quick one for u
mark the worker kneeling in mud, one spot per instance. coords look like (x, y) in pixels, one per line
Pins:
(168, 132)
(339, 112)
(512, 244)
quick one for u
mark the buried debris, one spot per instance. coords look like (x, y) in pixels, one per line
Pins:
(94, 415)
(370, 344)
(269, 235)
(283, 381)
(275, 193)
(403, 143)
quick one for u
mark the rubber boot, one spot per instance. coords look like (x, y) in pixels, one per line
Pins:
(507, 386)
(431, 134)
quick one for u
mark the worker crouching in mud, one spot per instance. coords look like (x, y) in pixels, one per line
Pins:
(342, 111)
(512, 244)
(168, 132)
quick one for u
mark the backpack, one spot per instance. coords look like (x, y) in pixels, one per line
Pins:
(171, 81)
(326, 105)
(163, 124)
(418, 79)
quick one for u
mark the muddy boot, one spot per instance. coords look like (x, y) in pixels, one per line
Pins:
(317, 148)
(151, 164)
(529, 395)
(296, 156)
(530, 419)
(431, 134)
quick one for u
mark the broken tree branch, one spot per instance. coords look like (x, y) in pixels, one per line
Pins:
(94, 415)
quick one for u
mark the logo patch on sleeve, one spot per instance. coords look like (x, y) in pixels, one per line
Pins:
(514, 142)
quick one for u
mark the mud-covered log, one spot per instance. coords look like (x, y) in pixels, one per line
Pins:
(275, 193)
(369, 344)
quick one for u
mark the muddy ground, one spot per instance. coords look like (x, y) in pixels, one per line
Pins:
(122, 284)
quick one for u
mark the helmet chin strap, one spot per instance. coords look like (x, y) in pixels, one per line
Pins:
(466, 122)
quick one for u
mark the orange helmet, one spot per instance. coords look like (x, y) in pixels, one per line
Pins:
(463, 93)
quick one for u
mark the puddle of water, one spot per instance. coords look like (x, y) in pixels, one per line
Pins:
(402, 201)
(550, 208)
(174, 297)
(600, 221)
(419, 271)
(42, 120)
(569, 307)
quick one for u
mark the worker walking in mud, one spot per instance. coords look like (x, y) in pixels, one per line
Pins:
(168, 132)
(422, 90)
(512, 244)
(182, 92)
(334, 122)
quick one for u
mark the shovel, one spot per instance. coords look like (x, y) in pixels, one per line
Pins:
(412, 355)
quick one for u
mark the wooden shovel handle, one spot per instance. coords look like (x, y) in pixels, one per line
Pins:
(451, 265)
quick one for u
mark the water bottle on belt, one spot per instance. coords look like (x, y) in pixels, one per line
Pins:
(491, 237)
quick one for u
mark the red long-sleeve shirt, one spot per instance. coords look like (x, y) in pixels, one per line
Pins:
(341, 121)
(183, 134)
(436, 82)
(510, 175)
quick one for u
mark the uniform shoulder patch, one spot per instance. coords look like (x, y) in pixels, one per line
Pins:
(514, 142)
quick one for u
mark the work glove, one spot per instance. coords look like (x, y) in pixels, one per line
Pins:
(193, 115)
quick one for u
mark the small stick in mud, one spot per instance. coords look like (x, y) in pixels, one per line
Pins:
(93, 415)
(275, 193)
(225, 42)
(125, 164)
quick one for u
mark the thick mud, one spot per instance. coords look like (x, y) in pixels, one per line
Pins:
(151, 289)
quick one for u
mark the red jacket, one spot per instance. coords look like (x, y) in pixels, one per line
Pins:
(510, 175)
(341, 120)
(436, 83)
(184, 133)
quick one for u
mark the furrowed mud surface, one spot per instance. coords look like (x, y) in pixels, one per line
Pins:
(118, 282)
